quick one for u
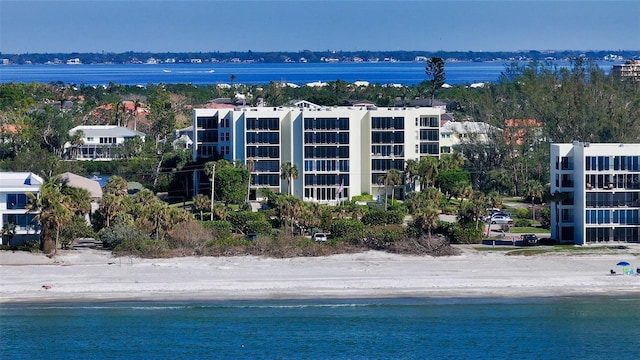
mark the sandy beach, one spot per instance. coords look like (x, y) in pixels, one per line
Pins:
(95, 275)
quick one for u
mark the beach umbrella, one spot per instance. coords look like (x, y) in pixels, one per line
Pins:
(624, 264)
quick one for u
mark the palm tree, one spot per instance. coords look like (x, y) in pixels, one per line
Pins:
(158, 214)
(289, 207)
(428, 218)
(76, 141)
(494, 200)
(201, 203)
(310, 215)
(54, 212)
(110, 206)
(427, 170)
(79, 199)
(116, 185)
(390, 178)
(219, 212)
(453, 161)
(533, 189)
(251, 167)
(210, 170)
(136, 106)
(289, 172)
(8, 233)
(411, 172)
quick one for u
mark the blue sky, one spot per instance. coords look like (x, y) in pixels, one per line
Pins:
(47, 26)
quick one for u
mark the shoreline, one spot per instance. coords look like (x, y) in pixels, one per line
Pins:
(94, 276)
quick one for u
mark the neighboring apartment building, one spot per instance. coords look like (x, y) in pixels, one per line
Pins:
(455, 133)
(600, 192)
(100, 142)
(340, 152)
(630, 70)
(14, 190)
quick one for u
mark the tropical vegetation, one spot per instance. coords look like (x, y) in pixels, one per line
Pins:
(166, 219)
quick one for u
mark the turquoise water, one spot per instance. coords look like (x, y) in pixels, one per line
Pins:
(559, 328)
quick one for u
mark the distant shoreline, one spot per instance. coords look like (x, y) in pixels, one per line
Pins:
(316, 56)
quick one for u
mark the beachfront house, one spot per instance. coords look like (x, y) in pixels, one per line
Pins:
(99, 142)
(596, 192)
(17, 223)
(91, 185)
(339, 151)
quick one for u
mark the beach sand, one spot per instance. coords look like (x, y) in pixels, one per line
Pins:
(94, 275)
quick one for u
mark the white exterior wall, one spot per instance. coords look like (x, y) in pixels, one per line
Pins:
(21, 183)
(292, 140)
(614, 181)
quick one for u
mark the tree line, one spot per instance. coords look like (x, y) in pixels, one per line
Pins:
(314, 56)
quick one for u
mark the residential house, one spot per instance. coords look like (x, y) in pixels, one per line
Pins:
(100, 142)
(184, 138)
(455, 133)
(93, 186)
(522, 131)
(17, 222)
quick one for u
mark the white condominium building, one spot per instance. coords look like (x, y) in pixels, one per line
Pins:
(598, 188)
(340, 152)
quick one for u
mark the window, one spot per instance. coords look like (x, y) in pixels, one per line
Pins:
(17, 201)
(429, 121)
(207, 122)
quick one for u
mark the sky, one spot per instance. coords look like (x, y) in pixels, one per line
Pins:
(66, 26)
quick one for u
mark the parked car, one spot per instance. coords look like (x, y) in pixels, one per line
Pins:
(500, 219)
(319, 237)
(529, 240)
(495, 213)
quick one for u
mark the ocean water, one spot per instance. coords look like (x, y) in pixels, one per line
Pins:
(545, 328)
(406, 73)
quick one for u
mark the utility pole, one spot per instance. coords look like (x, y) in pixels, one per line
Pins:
(213, 186)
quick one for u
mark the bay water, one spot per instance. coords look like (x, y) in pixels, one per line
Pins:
(405, 73)
(532, 328)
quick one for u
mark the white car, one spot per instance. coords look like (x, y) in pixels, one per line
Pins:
(500, 219)
(319, 237)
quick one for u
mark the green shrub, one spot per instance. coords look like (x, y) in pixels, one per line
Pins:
(222, 229)
(76, 228)
(28, 245)
(239, 220)
(545, 217)
(362, 197)
(347, 229)
(522, 213)
(470, 233)
(381, 217)
(262, 227)
(450, 210)
(380, 238)
(142, 247)
(522, 222)
(119, 232)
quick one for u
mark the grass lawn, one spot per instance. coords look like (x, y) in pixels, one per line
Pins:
(529, 230)
(535, 250)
